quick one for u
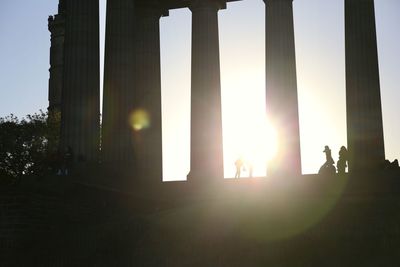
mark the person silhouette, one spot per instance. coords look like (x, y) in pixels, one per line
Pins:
(327, 167)
(250, 166)
(68, 160)
(238, 164)
(60, 162)
(343, 158)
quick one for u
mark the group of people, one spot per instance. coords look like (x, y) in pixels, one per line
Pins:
(328, 167)
(394, 165)
(62, 161)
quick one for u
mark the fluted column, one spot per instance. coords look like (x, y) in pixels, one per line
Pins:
(281, 86)
(80, 95)
(146, 116)
(56, 27)
(119, 62)
(206, 155)
(363, 99)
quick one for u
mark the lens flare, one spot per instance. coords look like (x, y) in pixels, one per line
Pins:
(139, 120)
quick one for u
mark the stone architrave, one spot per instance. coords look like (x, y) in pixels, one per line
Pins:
(206, 153)
(363, 98)
(146, 117)
(281, 87)
(56, 27)
(80, 107)
(117, 133)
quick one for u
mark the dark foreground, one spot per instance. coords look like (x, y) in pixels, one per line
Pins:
(303, 221)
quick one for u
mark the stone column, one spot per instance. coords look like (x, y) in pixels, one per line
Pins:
(146, 116)
(281, 87)
(363, 99)
(81, 93)
(117, 140)
(56, 27)
(206, 155)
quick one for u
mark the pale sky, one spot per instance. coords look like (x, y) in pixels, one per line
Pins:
(319, 37)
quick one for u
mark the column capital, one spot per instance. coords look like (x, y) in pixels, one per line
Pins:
(199, 4)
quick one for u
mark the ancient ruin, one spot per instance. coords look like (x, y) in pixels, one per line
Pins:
(132, 83)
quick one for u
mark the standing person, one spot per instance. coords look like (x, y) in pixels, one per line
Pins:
(59, 161)
(250, 165)
(343, 158)
(68, 159)
(328, 167)
(238, 164)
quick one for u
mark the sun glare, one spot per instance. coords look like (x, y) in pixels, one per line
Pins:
(257, 146)
(246, 131)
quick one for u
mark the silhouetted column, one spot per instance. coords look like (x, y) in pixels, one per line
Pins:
(146, 117)
(206, 155)
(57, 29)
(281, 86)
(119, 70)
(363, 99)
(80, 94)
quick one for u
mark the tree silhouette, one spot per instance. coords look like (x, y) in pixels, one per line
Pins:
(27, 145)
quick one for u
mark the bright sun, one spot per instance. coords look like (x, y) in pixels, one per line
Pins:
(262, 145)
(246, 131)
(255, 144)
